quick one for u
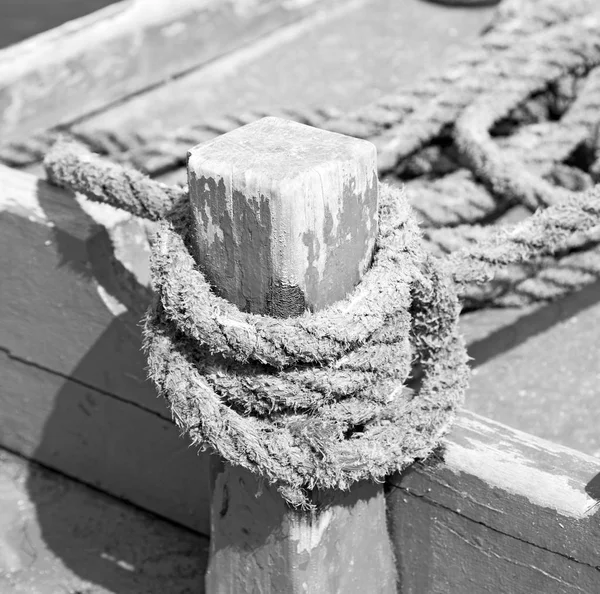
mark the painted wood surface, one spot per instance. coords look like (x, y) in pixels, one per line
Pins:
(285, 218)
(55, 318)
(75, 278)
(58, 536)
(104, 442)
(73, 389)
(341, 547)
(317, 62)
(497, 511)
(91, 62)
(285, 215)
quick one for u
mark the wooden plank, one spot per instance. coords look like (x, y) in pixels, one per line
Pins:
(497, 511)
(445, 552)
(72, 297)
(315, 63)
(57, 535)
(535, 368)
(91, 62)
(53, 315)
(285, 219)
(103, 441)
(73, 290)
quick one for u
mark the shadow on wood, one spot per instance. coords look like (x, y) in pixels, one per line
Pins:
(332, 549)
(74, 391)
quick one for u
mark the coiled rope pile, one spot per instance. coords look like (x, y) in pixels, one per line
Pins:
(368, 385)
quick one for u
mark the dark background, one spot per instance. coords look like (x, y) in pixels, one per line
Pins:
(20, 19)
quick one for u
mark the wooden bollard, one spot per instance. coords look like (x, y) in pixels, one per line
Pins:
(285, 219)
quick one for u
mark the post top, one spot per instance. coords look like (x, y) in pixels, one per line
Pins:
(279, 148)
(285, 215)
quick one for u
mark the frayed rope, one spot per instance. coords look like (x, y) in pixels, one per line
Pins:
(355, 391)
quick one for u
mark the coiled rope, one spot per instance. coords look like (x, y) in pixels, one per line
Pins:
(319, 400)
(367, 385)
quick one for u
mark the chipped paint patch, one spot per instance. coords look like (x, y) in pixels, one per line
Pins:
(174, 29)
(309, 535)
(24, 203)
(112, 304)
(509, 471)
(119, 562)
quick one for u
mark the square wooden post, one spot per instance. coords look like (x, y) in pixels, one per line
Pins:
(285, 219)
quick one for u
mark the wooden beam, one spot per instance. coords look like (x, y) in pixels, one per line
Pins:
(285, 219)
(497, 511)
(88, 63)
(74, 394)
(58, 536)
(104, 442)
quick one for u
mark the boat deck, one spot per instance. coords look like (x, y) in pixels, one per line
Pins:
(534, 368)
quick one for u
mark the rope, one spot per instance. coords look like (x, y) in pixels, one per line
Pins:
(316, 401)
(371, 383)
(516, 71)
(73, 166)
(156, 150)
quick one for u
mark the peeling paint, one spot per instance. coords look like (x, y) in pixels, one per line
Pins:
(293, 207)
(119, 562)
(174, 29)
(510, 472)
(24, 204)
(308, 535)
(112, 304)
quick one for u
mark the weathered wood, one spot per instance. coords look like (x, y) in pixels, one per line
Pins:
(497, 511)
(285, 219)
(59, 536)
(446, 553)
(91, 62)
(74, 393)
(73, 290)
(285, 215)
(536, 367)
(53, 315)
(312, 63)
(258, 544)
(103, 441)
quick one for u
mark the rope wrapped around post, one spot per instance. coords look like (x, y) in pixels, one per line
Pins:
(316, 401)
(357, 390)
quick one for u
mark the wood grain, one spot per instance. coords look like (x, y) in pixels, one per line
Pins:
(447, 553)
(103, 441)
(54, 321)
(285, 215)
(74, 287)
(74, 393)
(285, 219)
(497, 511)
(59, 536)
(94, 61)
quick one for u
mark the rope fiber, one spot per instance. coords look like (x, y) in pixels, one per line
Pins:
(371, 383)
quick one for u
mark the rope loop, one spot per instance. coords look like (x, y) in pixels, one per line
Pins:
(371, 383)
(355, 391)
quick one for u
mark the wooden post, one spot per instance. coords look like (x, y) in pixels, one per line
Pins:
(285, 218)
